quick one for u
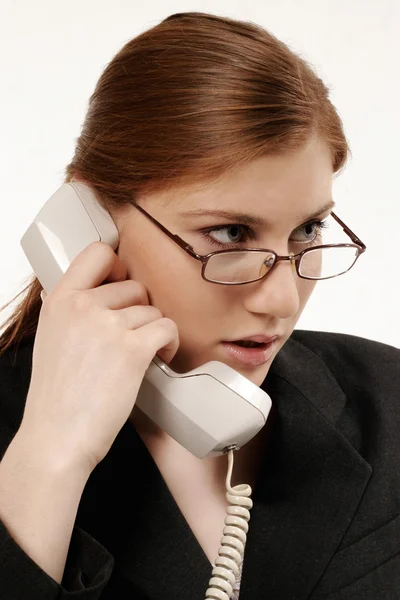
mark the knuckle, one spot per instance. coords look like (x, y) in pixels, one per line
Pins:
(80, 301)
(113, 318)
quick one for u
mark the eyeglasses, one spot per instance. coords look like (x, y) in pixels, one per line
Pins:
(238, 266)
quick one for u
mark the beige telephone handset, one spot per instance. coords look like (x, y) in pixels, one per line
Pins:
(207, 410)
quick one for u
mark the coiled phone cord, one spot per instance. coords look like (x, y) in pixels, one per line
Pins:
(233, 541)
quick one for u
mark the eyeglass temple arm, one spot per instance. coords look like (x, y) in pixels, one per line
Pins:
(354, 238)
(178, 240)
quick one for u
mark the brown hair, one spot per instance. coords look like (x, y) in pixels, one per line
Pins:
(183, 102)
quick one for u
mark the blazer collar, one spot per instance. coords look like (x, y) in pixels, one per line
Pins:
(309, 486)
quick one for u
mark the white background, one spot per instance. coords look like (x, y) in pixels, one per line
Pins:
(52, 53)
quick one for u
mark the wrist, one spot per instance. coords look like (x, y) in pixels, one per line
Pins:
(35, 448)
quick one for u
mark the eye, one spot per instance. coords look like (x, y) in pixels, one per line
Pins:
(310, 232)
(243, 232)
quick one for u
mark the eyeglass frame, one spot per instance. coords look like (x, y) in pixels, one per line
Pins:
(294, 258)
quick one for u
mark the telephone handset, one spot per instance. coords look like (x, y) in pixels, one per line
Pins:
(207, 410)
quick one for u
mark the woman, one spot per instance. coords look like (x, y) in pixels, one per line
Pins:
(197, 115)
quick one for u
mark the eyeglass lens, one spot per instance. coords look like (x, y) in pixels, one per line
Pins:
(240, 267)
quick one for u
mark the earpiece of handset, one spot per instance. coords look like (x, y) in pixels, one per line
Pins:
(48, 243)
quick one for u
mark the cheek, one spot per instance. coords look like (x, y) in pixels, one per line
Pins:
(192, 303)
(174, 285)
(305, 289)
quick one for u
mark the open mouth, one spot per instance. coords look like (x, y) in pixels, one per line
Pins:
(249, 352)
(249, 344)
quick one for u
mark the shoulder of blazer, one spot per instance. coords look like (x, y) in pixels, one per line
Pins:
(353, 360)
(368, 374)
(322, 341)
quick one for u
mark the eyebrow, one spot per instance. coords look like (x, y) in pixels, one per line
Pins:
(246, 219)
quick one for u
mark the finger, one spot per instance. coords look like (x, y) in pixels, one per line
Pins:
(91, 267)
(166, 338)
(121, 294)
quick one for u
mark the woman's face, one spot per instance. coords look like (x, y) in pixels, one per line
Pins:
(284, 191)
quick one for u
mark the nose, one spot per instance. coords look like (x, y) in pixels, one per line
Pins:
(277, 294)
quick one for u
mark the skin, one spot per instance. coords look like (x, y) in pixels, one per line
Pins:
(285, 190)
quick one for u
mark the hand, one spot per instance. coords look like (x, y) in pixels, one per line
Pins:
(92, 348)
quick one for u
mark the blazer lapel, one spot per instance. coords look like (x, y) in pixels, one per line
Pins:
(307, 492)
(310, 485)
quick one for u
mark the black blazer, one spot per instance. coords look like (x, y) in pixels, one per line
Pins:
(325, 522)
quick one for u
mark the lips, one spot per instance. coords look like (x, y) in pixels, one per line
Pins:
(248, 356)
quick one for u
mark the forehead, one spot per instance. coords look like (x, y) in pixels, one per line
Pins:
(292, 182)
